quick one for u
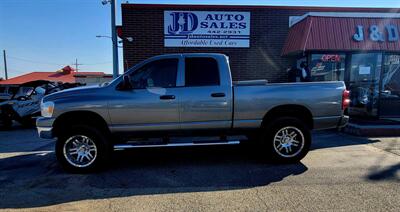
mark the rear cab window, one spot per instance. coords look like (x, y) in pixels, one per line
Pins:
(201, 71)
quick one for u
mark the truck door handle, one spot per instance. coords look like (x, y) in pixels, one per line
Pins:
(218, 95)
(163, 97)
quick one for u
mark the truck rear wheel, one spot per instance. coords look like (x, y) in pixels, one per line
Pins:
(82, 149)
(288, 139)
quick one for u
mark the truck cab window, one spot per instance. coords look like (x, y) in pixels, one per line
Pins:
(160, 73)
(201, 71)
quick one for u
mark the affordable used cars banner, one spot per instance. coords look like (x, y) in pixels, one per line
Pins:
(206, 29)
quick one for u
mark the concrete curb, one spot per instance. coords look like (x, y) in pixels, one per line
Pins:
(372, 130)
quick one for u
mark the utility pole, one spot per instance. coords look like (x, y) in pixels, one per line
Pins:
(114, 39)
(76, 65)
(5, 64)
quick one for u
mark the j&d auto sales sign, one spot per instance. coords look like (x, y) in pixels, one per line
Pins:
(206, 29)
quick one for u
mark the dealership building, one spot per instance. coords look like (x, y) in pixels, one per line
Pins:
(360, 46)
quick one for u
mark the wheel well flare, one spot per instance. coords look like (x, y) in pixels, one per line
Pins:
(296, 111)
(69, 119)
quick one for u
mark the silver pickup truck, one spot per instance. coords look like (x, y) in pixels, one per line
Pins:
(187, 100)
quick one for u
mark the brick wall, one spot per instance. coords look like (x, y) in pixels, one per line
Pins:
(268, 31)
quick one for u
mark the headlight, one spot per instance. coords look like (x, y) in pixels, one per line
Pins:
(47, 109)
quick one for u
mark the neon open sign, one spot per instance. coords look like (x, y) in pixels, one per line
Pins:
(330, 58)
(377, 34)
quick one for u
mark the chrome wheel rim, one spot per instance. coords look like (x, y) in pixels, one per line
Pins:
(80, 151)
(289, 142)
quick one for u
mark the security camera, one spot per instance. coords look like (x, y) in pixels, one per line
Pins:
(104, 2)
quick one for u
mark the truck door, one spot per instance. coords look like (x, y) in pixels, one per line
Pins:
(206, 97)
(152, 104)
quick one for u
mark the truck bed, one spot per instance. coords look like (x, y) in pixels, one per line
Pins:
(253, 99)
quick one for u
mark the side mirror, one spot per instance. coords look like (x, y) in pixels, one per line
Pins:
(126, 83)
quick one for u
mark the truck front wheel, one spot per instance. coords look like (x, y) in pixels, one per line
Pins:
(82, 149)
(288, 139)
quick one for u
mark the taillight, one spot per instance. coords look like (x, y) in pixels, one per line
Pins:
(345, 99)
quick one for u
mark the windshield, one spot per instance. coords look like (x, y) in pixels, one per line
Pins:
(112, 81)
(40, 91)
(23, 91)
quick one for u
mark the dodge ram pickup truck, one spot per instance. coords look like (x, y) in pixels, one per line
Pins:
(187, 100)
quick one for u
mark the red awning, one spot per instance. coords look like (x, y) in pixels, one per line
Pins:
(335, 33)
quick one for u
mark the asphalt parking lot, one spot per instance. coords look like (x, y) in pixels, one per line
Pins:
(341, 172)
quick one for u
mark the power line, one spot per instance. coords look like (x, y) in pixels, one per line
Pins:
(58, 64)
(91, 64)
(32, 61)
(18, 71)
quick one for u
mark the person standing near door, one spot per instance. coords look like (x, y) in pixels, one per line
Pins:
(292, 73)
(305, 75)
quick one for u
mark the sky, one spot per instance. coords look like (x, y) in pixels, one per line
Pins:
(46, 35)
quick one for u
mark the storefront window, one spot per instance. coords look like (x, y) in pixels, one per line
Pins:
(390, 87)
(364, 83)
(327, 67)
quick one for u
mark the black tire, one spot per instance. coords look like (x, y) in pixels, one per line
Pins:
(7, 123)
(78, 134)
(6, 119)
(288, 146)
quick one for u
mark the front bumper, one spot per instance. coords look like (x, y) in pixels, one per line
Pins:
(45, 127)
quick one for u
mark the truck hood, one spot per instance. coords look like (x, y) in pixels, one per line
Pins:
(84, 90)
(5, 103)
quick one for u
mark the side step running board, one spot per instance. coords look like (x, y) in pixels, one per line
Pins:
(129, 146)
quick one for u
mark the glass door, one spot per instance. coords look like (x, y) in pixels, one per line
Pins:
(389, 101)
(364, 79)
